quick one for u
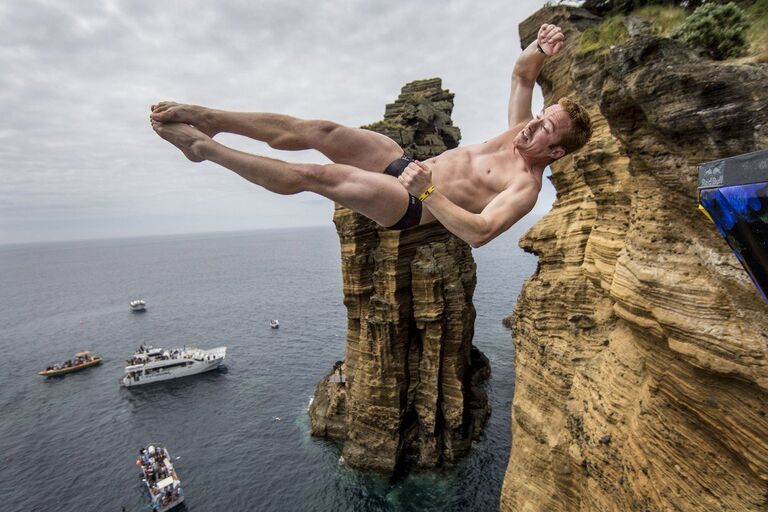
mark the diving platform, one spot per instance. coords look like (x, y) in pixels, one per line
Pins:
(733, 194)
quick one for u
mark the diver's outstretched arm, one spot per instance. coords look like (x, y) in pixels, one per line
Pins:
(548, 42)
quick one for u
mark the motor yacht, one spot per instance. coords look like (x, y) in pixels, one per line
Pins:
(151, 364)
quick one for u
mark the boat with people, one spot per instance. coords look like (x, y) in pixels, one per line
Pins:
(138, 305)
(149, 364)
(274, 323)
(160, 477)
(81, 361)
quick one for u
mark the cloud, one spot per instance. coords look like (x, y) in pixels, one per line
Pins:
(79, 77)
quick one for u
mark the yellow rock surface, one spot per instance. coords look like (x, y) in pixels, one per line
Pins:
(641, 377)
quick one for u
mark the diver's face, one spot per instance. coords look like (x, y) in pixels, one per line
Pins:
(541, 136)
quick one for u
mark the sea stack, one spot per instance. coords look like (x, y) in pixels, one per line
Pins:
(409, 390)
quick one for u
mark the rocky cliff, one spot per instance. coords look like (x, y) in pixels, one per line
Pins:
(412, 390)
(641, 371)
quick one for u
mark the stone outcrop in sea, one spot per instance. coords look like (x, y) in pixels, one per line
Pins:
(641, 369)
(413, 392)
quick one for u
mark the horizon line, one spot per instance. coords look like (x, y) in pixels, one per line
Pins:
(159, 235)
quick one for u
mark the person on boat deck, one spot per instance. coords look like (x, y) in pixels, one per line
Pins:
(477, 192)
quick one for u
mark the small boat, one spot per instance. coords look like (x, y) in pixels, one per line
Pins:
(81, 361)
(138, 305)
(160, 477)
(274, 323)
(150, 364)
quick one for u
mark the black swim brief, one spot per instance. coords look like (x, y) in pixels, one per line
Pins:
(412, 215)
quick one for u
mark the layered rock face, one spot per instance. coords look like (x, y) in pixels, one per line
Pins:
(412, 391)
(641, 371)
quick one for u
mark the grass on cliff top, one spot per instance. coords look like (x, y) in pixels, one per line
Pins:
(601, 37)
(664, 19)
(612, 31)
(757, 34)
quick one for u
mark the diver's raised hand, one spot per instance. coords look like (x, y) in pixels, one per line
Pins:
(550, 39)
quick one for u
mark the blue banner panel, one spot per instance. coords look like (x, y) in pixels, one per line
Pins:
(740, 213)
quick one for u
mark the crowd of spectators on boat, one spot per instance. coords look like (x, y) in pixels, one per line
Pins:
(146, 353)
(156, 465)
(69, 363)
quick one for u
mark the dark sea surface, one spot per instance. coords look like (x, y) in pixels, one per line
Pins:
(241, 432)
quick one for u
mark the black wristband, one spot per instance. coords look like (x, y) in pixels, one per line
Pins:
(540, 49)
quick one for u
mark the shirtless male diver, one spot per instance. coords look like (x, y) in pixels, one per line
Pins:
(476, 192)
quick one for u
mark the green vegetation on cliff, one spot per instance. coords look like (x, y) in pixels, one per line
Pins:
(757, 35)
(719, 30)
(664, 19)
(386, 124)
(600, 38)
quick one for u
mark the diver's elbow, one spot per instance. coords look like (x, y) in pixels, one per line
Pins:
(479, 241)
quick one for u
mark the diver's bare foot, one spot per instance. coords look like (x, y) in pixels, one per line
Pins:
(191, 141)
(199, 117)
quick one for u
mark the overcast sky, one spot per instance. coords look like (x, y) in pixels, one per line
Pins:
(79, 160)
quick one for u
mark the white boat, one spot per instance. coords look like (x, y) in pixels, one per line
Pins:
(160, 476)
(150, 365)
(274, 323)
(138, 305)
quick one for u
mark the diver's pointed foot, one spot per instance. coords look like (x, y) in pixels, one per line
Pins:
(191, 141)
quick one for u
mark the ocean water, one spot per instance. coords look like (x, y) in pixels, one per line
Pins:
(241, 433)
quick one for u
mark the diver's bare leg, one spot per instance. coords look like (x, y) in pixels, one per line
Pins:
(341, 144)
(377, 196)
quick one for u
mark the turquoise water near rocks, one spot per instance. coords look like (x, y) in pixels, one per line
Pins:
(242, 432)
